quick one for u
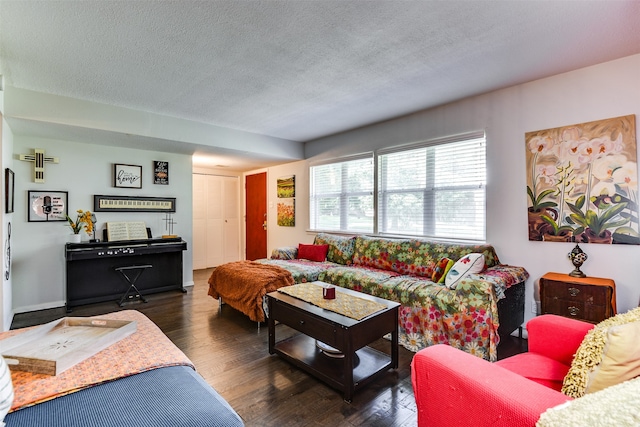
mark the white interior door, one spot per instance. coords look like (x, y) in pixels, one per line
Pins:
(231, 211)
(216, 220)
(199, 244)
(214, 230)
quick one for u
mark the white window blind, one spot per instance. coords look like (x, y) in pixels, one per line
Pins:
(436, 189)
(341, 195)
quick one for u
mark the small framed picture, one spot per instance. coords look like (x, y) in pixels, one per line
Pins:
(286, 186)
(9, 188)
(46, 206)
(127, 176)
(160, 172)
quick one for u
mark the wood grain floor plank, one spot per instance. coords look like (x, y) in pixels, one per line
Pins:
(231, 353)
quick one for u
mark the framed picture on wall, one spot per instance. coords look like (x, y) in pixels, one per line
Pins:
(103, 203)
(9, 188)
(47, 206)
(160, 172)
(127, 176)
(286, 210)
(286, 186)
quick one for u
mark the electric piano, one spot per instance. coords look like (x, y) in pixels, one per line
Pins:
(91, 268)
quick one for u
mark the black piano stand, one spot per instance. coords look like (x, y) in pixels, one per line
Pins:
(131, 280)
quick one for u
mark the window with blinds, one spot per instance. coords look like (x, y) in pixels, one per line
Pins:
(435, 189)
(341, 195)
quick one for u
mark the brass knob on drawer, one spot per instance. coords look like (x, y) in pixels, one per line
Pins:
(574, 291)
(574, 311)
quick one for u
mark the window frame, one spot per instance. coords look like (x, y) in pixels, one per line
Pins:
(428, 193)
(343, 194)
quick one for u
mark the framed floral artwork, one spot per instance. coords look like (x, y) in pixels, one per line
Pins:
(286, 186)
(582, 182)
(287, 213)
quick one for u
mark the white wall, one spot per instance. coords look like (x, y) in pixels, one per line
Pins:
(607, 90)
(84, 170)
(6, 313)
(277, 235)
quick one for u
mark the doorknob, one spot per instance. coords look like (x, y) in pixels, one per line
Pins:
(264, 225)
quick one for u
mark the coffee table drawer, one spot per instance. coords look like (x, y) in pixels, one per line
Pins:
(309, 325)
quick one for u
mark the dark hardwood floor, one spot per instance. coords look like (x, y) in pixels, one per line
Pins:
(230, 352)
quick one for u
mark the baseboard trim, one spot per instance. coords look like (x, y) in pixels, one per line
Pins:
(38, 307)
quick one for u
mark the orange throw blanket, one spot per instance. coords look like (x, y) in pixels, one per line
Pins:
(243, 284)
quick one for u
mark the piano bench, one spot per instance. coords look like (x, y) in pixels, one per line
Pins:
(130, 274)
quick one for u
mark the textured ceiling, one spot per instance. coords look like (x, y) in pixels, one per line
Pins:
(301, 70)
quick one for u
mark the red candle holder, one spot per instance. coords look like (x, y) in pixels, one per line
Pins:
(329, 292)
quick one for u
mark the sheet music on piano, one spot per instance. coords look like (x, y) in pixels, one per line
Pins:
(126, 230)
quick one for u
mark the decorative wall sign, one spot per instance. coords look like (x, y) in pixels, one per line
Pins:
(287, 213)
(160, 172)
(39, 159)
(133, 204)
(7, 253)
(286, 186)
(582, 182)
(43, 206)
(127, 176)
(9, 187)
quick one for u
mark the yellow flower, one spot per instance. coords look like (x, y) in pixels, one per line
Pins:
(82, 220)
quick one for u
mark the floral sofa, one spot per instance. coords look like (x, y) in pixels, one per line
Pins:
(470, 317)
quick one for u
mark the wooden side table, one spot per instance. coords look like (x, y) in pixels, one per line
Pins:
(591, 299)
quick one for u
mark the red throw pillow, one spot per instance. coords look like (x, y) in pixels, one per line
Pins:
(313, 252)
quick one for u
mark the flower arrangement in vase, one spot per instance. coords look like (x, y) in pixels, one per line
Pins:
(83, 220)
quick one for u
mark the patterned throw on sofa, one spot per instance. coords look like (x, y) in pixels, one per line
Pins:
(401, 270)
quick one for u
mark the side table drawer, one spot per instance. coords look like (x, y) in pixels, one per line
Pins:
(575, 309)
(307, 324)
(597, 295)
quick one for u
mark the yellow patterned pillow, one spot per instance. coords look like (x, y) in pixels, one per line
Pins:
(608, 355)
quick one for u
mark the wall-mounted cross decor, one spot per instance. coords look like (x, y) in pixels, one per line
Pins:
(39, 159)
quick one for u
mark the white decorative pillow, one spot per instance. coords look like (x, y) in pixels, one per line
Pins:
(6, 390)
(468, 264)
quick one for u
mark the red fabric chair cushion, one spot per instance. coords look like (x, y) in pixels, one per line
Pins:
(556, 337)
(455, 389)
(536, 367)
(313, 252)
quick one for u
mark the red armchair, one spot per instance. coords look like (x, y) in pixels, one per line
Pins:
(454, 388)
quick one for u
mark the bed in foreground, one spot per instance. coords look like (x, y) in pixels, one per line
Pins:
(142, 380)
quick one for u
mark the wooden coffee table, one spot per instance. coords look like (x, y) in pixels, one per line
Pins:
(358, 364)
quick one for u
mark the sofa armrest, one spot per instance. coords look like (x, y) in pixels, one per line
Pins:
(285, 252)
(504, 276)
(454, 388)
(556, 337)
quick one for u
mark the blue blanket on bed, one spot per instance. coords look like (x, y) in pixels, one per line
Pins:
(170, 397)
